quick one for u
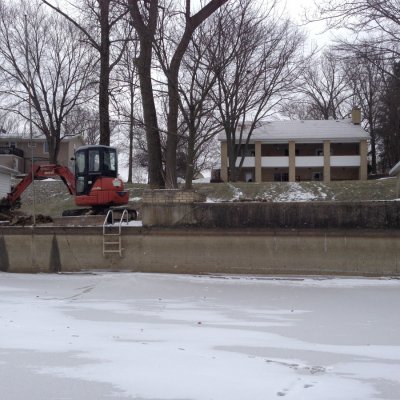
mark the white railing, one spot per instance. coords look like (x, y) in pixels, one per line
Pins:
(249, 162)
(309, 161)
(275, 162)
(345, 161)
(302, 161)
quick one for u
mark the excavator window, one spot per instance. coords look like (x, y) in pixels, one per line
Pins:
(94, 160)
(110, 163)
(91, 163)
(80, 163)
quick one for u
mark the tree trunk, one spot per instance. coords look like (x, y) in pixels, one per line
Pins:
(130, 160)
(156, 179)
(172, 139)
(190, 159)
(54, 148)
(232, 176)
(373, 144)
(104, 84)
(173, 93)
(373, 152)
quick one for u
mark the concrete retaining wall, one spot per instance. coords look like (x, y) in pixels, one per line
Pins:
(314, 215)
(200, 251)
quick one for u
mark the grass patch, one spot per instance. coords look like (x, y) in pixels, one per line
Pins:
(52, 197)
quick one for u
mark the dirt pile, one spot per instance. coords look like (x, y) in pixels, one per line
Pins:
(18, 218)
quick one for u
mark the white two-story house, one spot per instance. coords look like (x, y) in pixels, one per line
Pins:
(318, 150)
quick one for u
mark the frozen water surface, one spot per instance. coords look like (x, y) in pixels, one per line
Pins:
(139, 336)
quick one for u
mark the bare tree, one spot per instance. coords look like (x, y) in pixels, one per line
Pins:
(84, 121)
(325, 87)
(388, 124)
(51, 65)
(198, 110)
(97, 20)
(256, 58)
(8, 122)
(361, 15)
(297, 108)
(171, 61)
(367, 81)
(126, 98)
(144, 17)
(374, 23)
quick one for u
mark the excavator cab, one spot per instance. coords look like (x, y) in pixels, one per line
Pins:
(96, 177)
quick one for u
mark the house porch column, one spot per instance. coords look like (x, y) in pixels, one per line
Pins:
(363, 160)
(327, 161)
(224, 161)
(258, 162)
(292, 161)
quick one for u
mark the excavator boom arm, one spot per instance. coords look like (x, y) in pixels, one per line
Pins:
(42, 171)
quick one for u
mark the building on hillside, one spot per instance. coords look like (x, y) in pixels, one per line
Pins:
(310, 150)
(16, 151)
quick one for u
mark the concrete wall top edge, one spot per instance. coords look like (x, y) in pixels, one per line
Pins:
(190, 231)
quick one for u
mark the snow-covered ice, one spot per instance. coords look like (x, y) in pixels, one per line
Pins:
(142, 336)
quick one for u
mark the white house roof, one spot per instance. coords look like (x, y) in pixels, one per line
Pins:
(8, 171)
(306, 131)
(395, 170)
(37, 137)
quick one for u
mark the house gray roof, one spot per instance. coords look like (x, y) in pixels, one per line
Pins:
(307, 131)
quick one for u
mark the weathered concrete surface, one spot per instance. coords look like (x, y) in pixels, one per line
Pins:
(82, 220)
(200, 251)
(300, 215)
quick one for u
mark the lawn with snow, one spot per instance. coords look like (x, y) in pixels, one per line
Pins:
(139, 336)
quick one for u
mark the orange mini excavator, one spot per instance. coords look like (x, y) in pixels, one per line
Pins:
(95, 183)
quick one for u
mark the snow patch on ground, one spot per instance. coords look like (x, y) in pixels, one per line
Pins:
(282, 192)
(201, 180)
(140, 336)
(237, 193)
(295, 193)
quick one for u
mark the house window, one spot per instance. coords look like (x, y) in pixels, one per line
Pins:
(319, 152)
(45, 147)
(94, 160)
(12, 144)
(31, 144)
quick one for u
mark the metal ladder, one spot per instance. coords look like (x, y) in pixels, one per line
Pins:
(112, 242)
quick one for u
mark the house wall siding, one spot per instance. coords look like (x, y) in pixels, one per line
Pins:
(5, 183)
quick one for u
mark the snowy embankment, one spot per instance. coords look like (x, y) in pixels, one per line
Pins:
(282, 192)
(138, 336)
